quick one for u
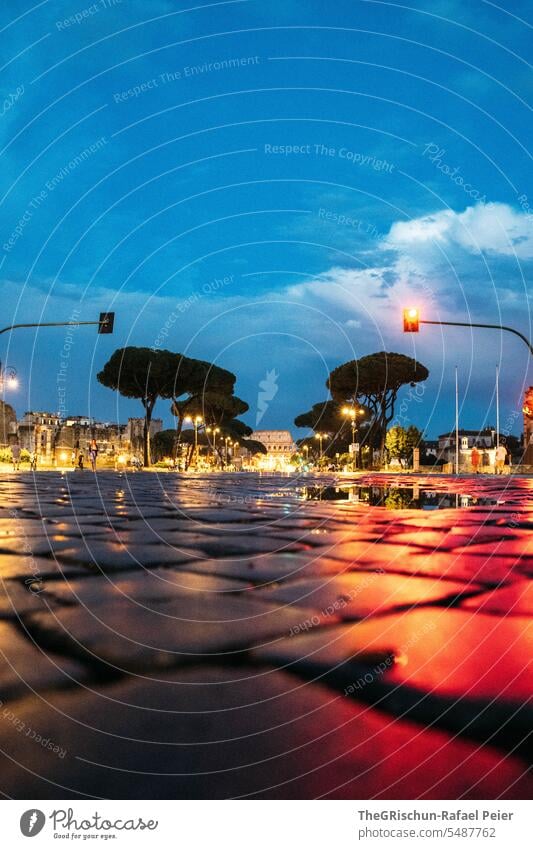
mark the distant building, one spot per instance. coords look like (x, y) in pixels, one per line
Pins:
(431, 447)
(280, 447)
(135, 432)
(527, 410)
(484, 440)
(8, 424)
(50, 436)
(37, 432)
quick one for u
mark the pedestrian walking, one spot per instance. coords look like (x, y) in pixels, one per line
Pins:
(93, 454)
(15, 455)
(33, 461)
(475, 458)
(501, 454)
(80, 461)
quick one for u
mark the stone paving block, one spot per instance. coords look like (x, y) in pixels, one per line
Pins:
(144, 587)
(25, 567)
(25, 667)
(226, 733)
(181, 629)
(514, 600)
(109, 555)
(453, 653)
(360, 595)
(17, 599)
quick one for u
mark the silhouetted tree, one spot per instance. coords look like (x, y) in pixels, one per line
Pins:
(375, 380)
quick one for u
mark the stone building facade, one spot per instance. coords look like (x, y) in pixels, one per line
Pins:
(54, 438)
(8, 424)
(528, 427)
(280, 447)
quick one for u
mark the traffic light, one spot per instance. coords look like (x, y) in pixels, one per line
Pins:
(106, 322)
(411, 320)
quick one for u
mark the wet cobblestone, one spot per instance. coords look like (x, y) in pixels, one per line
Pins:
(215, 636)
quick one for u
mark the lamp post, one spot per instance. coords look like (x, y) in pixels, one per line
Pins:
(214, 431)
(352, 413)
(227, 441)
(196, 421)
(320, 436)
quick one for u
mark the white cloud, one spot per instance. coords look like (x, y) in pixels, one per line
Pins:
(495, 228)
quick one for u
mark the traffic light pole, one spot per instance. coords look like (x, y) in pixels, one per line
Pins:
(52, 324)
(489, 326)
(105, 325)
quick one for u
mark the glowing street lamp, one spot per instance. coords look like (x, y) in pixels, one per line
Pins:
(320, 437)
(196, 421)
(227, 442)
(214, 431)
(352, 413)
(8, 378)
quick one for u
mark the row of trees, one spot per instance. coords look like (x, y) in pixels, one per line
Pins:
(196, 388)
(200, 389)
(370, 384)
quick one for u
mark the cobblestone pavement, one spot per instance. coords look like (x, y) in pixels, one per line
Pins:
(167, 636)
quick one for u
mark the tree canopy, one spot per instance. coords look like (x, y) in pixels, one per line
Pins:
(327, 417)
(375, 380)
(150, 374)
(401, 442)
(141, 373)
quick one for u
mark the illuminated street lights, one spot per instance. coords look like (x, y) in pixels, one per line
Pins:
(227, 441)
(214, 431)
(352, 413)
(8, 378)
(196, 421)
(320, 436)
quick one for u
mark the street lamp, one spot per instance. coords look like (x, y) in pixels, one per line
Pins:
(320, 437)
(8, 378)
(196, 421)
(214, 431)
(227, 441)
(352, 413)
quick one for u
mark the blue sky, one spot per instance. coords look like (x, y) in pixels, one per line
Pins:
(268, 184)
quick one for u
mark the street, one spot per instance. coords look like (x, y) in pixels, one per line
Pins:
(264, 636)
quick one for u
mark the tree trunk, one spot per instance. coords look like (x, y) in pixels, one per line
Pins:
(179, 428)
(146, 433)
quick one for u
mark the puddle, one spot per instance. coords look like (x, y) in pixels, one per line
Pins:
(393, 498)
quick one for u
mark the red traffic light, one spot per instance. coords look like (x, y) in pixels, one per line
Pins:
(411, 320)
(106, 322)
